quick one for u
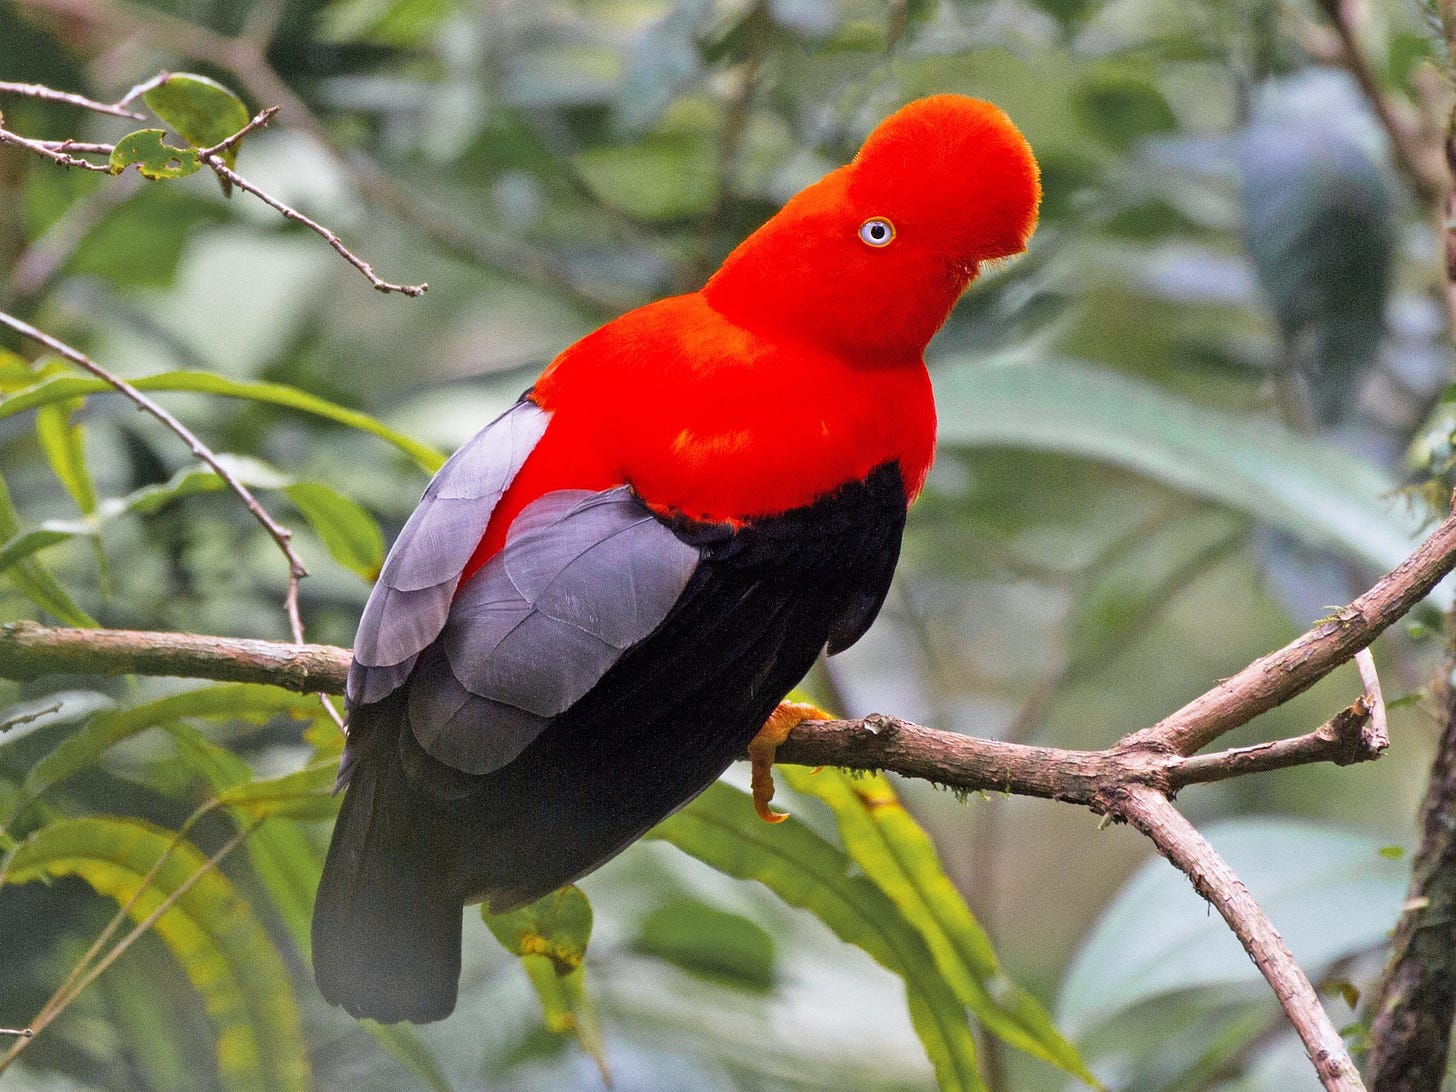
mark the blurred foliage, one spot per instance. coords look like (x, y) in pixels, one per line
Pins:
(1171, 434)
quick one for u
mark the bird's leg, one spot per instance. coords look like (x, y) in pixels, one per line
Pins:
(762, 747)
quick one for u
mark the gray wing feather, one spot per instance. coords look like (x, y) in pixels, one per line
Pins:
(411, 600)
(582, 577)
(447, 720)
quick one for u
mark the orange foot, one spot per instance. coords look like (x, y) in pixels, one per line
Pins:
(762, 747)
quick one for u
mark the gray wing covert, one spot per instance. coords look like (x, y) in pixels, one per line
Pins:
(582, 577)
(411, 600)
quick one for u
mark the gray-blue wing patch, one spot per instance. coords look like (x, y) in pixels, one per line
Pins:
(582, 577)
(411, 600)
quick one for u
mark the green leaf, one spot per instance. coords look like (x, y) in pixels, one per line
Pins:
(550, 937)
(349, 533)
(47, 534)
(402, 24)
(32, 579)
(251, 472)
(201, 111)
(710, 942)
(661, 177)
(1320, 228)
(898, 856)
(1122, 106)
(61, 441)
(721, 829)
(304, 794)
(1158, 937)
(223, 701)
(1316, 491)
(211, 931)
(153, 157)
(287, 863)
(59, 388)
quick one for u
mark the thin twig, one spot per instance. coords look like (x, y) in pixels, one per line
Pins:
(1344, 739)
(245, 59)
(1377, 733)
(36, 91)
(43, 148)
(142, 88)
(1152, 813)
(1277, 677)
(281, 535)
(69, 145)
(263, 117)
(60, 1001)
(1411, 156)
(24, 1033)
(288, 213)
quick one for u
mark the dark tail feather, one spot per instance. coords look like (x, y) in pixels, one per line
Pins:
(386, 928)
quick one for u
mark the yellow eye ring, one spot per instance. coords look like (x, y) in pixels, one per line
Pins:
(877, 231)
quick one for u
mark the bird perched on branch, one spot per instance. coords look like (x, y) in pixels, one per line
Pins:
(604, 595)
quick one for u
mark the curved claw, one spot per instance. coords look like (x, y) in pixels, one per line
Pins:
(763, 747)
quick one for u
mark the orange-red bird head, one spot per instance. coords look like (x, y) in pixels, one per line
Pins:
(868, 262)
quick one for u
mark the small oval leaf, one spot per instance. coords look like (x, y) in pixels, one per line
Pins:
(201, 111)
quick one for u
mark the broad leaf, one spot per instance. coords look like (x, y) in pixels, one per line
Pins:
(550, 937)
(223, 701)
(1158, 937)
(1316, 491)
(201, 111)
(32, 579)
(62, 442)
(709, 942)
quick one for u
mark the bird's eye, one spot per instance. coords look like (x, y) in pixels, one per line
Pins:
(877, 231)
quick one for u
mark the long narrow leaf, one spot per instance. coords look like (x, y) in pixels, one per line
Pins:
(899, 858)
(288, 866)
(211, 931)
(721, 829)
(32, 579)
(61, 388)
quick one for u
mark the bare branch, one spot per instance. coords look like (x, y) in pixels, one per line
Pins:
(36, 91)
(224, 171)
(44, 148)
(1377, 732)
(1279, 676)
(1343, 740)
(263, 118)
(1177, 840)
(876, 742)
(1411, 1010)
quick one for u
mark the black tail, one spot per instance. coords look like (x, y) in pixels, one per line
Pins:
(386, 925)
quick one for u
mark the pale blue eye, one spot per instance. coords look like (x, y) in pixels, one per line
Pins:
(877, 231)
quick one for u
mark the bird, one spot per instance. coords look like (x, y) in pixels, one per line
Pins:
(604, 595)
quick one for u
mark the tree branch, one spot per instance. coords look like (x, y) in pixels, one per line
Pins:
(1132, 781)
(1176, 839)
(1412, 1009)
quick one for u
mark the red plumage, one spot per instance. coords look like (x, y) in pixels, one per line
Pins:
(604, 595)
